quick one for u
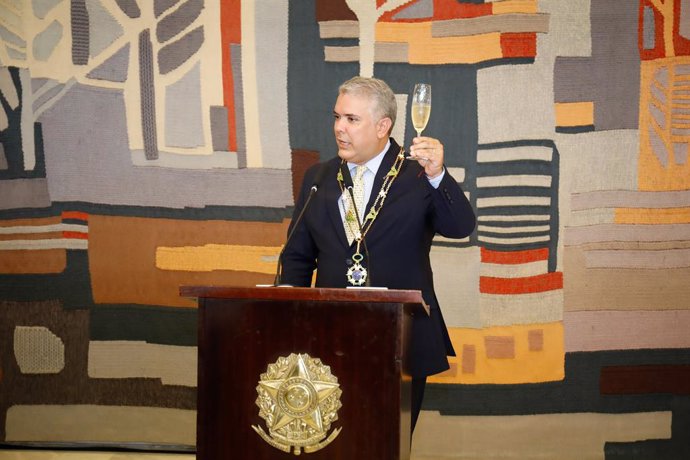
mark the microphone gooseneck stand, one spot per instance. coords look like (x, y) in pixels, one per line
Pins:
(314, 188)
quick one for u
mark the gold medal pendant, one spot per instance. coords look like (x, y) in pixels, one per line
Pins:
(357, 274)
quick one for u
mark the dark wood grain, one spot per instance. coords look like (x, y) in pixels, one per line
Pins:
(363, 342)
(409, 298)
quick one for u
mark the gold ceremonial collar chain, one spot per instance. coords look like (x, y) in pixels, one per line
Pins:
(371, 216)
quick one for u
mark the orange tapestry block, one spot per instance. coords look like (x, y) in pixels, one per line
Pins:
(574, 113)
(515, 6)
(658, 167)
(30, 221)
(123, 251)
(33, 261)
(479, 349)
(425, 49)
(652, 216)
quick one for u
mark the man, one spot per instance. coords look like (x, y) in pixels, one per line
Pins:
(405, 203)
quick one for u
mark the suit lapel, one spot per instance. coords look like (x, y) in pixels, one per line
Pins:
(396, 188)
(332, 191)
(386, 163)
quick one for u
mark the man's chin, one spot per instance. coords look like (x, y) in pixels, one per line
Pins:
(345, 154)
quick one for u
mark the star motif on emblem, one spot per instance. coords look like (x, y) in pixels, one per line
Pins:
(356, 275)
(298, 396)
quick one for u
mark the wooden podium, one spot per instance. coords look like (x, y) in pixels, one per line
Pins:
(360, 334)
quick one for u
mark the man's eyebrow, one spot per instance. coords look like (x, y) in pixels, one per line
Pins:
(346, 114)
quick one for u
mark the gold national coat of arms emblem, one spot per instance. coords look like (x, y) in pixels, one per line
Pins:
(299, 398)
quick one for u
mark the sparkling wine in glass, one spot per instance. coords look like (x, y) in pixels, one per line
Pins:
(421, 106)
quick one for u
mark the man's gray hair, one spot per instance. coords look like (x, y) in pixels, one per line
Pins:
(376, 90)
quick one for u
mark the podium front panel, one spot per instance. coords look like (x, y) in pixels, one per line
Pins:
(361, 342)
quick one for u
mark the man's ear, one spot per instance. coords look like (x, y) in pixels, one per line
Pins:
(383, 127)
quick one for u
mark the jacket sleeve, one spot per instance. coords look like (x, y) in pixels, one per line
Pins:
(299, 256)
(453, 215)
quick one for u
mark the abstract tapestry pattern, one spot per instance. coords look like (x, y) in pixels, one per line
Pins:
(148, 145)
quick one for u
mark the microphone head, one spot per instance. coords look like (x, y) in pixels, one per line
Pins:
(318, 177)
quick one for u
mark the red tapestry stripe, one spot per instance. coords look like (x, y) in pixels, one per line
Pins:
(513, 257)
(75, 235)
(516, 45)
(75, 215)
(523, 285)
(452, 9)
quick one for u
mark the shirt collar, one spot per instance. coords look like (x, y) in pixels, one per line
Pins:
(373, 164)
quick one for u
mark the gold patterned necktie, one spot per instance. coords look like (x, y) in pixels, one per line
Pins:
(350, 221)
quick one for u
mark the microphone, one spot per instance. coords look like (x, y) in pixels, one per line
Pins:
(312, 191)
(349, 186)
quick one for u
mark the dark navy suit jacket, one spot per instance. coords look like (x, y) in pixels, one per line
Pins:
(398, 243)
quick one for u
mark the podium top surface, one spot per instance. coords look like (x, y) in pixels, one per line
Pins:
(307, 294)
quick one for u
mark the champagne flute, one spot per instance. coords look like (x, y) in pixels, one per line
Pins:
(421, 109)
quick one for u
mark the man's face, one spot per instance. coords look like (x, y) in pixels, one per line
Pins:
(359, 135)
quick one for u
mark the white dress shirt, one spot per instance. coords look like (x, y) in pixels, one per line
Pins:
(373, 166)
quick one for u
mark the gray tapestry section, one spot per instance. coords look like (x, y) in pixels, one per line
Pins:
(611, 76)
(24, 193)
(161, 6)
(45, 42)
(12, 38)
(80, 32)
(176, 53)
(271, 79)
(88, 159)
(238, 93)
(178, 20)
(680, 153)
(45, 93)
(418, 10)
(183, 124)
(103, 27)
(42, 7)
(219, 127)
(684, 21)
(147, 95)
(114, 68)
(648, 29)
(129, 7)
